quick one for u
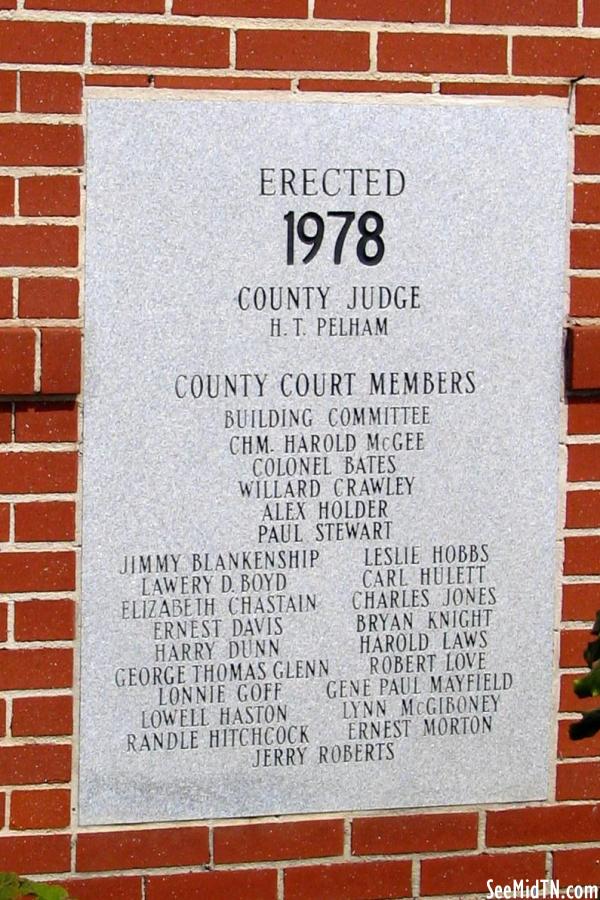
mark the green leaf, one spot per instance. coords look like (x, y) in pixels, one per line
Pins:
(585, 727)
(588, 685)
(44, 891)
(9, 886)
(591, 654)
(14, 888)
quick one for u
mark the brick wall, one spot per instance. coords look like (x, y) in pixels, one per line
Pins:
(50, 50)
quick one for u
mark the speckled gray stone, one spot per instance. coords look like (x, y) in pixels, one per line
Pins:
(312, 664)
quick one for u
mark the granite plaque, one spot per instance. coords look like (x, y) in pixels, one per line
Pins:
(321, 447)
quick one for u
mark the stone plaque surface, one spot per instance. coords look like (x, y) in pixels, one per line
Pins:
(320, 465)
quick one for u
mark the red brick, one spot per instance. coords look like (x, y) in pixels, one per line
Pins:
(585, 296)
(583, 509)
(214, 885)
(585, 356)
(568, 748)
(42, 716)
(572, 644)
(578, 781)
(2, 809)
(382, 10)
(37, 422)
(160, 45)
(584, 416)
(585, 254)
(150, 848)
(111, 888)
(40, 809)
(587, 153)
(352, 881)
(426, 53)
(577, 866)
(514, 12)
(44, 620)
(61, 361)
(121, 80)
(8, 91)
(41, 42)
(543, 825)
(587, 203)
(50, 521)
(54, 195)
(39, 245)
(38, 473)
(325, 51)
(5, 422)
(585, 249)
(7, 196)
(580, 602)
(35, 764)
(27, 669)
(364, 85)
(588, 104)
(568, 57)
(250, 9)
(591, 13)
(51, 92)
(221, 83)
(414, 834)
(279, 840)
(583, 462)
(29, 144)
(114, 6)
(582, 556)
(569, 701)
(3, 621)
(6, 290)
(49, 298)
(35, 853)
(25, 572)
(17, 360)
(4, 522)
(470, 874)
(3, 723)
